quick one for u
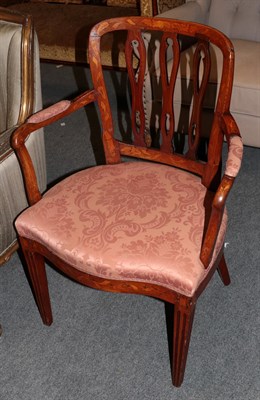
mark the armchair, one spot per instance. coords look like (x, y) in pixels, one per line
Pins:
(154, 225)
(239, 20)
(20, 96)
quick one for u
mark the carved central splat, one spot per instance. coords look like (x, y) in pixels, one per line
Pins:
(160, 49)
(135, 47)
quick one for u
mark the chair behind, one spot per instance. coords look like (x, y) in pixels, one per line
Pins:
(20, 96)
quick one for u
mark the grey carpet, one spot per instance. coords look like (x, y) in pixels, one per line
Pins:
(105, 346)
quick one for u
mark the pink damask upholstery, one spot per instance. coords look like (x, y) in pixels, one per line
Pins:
(142, 223)
(49, 112)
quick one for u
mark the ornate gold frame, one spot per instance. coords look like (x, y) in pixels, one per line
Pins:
(27, 73)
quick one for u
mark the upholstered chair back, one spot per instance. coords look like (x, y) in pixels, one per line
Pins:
(10, 77)
(20, 96)
(203, 4)
(238, 19)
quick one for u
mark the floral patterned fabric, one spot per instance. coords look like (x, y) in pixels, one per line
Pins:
(137, 221)
(49, 112)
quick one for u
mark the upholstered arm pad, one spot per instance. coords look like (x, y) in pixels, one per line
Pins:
(49, 112)
(62, 109)
(233, 164)
(235, 154)
(49, 115)
(235, 145)
(190, 11)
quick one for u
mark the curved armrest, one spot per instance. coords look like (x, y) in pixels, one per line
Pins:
(49, 112)
(235, 154)
(233, 164)
(218, 207)
(49, 115)
(235, 145)
(190, 11)
(39, 120)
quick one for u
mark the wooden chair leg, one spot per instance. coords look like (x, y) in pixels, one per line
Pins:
(37, 274)
(223, 271)
(182, 326)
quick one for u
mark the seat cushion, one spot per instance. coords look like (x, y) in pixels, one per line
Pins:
(137, 221)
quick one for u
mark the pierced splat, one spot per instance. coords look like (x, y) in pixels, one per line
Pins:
(168, 85)
(200, 81)
(135, 45)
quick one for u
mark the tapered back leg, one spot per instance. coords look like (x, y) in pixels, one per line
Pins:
(223, 271)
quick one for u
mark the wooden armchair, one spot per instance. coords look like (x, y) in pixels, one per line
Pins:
(152, 225)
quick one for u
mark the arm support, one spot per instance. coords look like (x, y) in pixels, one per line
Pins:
(233, 164)
(235, 145)
(218, 207)
(39, 120)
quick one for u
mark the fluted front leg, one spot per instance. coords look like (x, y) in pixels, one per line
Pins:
(37, 275)
(183, 319)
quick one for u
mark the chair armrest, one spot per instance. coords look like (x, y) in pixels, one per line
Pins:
(217, 210)
(235, 154)
(235, 145)
(233, 164)
(190, 11)
(51, 114)
(39, 120)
